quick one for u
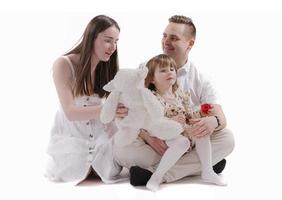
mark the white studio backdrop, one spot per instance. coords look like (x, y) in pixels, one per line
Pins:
(240, 52)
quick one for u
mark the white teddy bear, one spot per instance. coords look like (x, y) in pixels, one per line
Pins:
(144, 110)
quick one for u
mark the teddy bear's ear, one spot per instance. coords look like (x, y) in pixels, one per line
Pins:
(110, 86)
(143, 72)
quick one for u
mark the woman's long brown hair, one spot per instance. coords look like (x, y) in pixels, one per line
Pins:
(105, 71)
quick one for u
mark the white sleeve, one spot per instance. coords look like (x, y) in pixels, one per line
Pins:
(143, 64)
(208, 92)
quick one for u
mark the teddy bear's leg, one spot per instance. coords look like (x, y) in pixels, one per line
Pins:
(165, 129)
(176, 148)
(125, 136)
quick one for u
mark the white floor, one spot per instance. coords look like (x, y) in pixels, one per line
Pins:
(243, 183)
(253, 170)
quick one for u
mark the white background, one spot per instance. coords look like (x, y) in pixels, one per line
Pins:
(239, 47)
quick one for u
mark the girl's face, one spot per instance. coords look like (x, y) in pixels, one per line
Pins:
(164, 77)
(106, 43)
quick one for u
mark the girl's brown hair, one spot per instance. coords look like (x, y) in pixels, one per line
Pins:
(160, 61)
(105, 71)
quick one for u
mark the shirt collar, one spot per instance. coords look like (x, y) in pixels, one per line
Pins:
(182, 71)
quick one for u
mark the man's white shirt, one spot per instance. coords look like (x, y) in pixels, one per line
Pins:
(191, 80)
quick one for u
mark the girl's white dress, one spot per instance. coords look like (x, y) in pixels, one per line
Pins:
(76, 146)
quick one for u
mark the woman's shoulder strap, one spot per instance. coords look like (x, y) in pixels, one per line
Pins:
(70, 64)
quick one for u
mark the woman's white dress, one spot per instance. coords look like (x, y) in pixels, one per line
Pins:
(75, 146)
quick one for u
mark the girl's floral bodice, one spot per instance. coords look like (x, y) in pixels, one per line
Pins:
(180, 104)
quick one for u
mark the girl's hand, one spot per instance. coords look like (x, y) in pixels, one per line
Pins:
(202, 127)
(180, 118)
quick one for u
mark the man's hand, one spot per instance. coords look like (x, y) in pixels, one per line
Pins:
(202, 127)
(157, 144)
(121, 111)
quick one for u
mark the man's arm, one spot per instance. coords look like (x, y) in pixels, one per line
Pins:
(221, 121)
(210, 124)
(155, 143)
(215, 120)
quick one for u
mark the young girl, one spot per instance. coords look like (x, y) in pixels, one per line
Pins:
(161, 80)
(79, 142)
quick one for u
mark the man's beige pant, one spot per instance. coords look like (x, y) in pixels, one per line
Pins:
(142, 155)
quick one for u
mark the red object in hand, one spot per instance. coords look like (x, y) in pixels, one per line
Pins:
(205, 108)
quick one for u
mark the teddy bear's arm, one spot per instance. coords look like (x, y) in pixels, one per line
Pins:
(153, 106)
(109, 108)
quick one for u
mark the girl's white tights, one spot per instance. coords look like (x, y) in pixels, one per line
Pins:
(176, 148)
(203, 148)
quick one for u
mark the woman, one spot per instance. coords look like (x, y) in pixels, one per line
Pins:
(80, 143)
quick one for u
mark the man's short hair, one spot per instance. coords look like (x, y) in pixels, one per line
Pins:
(180, 19)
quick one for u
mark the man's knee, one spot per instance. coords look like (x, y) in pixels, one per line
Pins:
(129, 156)
(226, 140)
(229, 143)
(119, 154)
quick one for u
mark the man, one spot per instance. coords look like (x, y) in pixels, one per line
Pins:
(142, 156)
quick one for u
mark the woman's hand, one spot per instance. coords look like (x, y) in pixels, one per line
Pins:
(121, 111)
